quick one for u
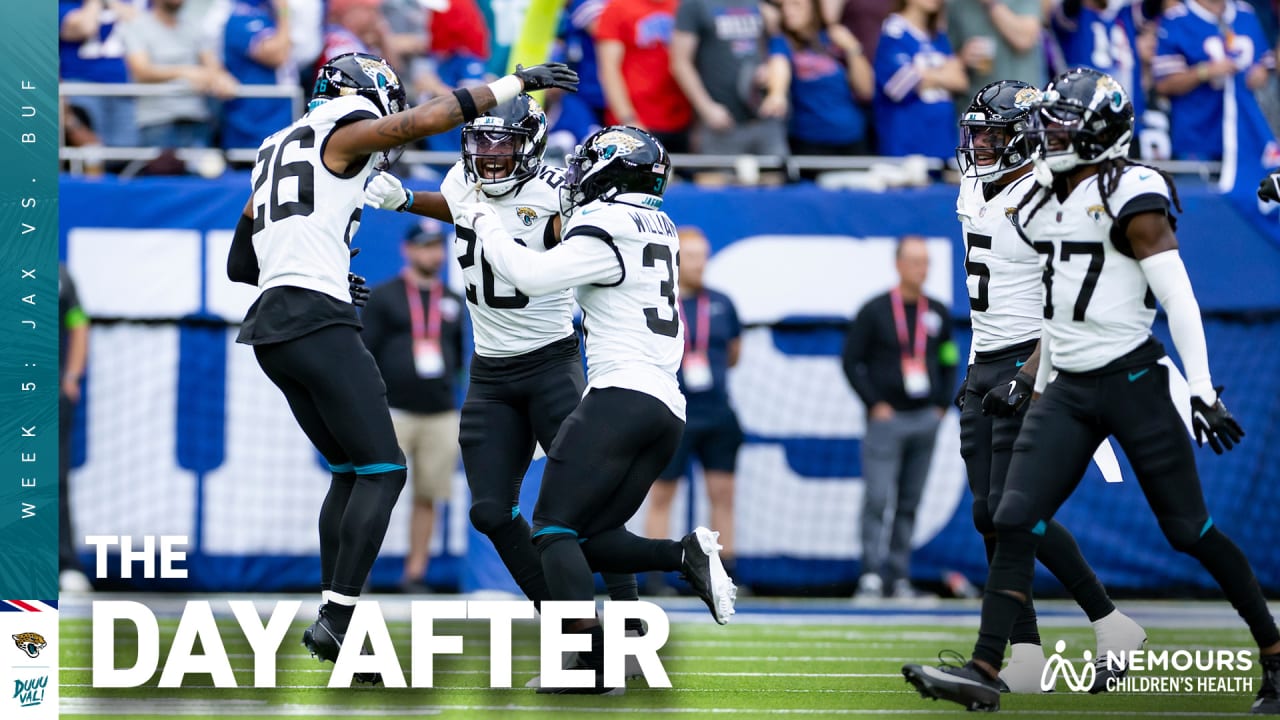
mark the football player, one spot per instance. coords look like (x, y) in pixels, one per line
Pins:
(1104, 227)
(1003, 277)
(620, 254)
(293, 242)
(526, 375)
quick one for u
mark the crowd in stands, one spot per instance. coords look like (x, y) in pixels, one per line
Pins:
(723, 77)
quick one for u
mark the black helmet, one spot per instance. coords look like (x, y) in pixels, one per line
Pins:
(998, 117)
(615, 160)
(360, 74)
(515, 130)
(1083, 117)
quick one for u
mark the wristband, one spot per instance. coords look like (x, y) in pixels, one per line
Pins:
(506, 88)
(409, 202)
(467, 103)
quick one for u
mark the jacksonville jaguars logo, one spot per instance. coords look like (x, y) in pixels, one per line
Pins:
(1096, 212)
(1025, 98)
(527, 215)
(30, 643)
(380, 72)
(616, 144)
(1112, 92)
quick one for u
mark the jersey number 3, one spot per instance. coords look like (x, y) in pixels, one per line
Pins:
(653, 254)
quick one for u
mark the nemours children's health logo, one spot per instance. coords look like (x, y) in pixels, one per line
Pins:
(1157, 671)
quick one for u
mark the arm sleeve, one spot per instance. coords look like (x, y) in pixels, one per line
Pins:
(242, 261)
(854, 355)
(567, 265)
(1168, 279)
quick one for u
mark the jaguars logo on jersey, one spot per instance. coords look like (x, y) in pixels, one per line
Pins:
(527, 215)
(1096, 212)
(30, 643)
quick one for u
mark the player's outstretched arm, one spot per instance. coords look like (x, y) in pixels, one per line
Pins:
(386, 191)
(1156, 248)
(567, 265)
(365, 137)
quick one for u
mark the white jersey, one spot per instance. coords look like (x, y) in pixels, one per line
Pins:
(304, 215)
(622, 258)
(1003, 273)
(505, 321)
(1098, 304)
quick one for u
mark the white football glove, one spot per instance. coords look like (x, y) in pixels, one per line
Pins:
(477, 212)
(385, 191)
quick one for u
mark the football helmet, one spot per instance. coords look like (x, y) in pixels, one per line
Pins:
(614, 161)
(1083, 117)
(993, 131)
(504, 147)
(368, 76)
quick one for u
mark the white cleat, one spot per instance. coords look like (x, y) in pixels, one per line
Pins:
(706, 574)
(1025, 669)
(1117, 633)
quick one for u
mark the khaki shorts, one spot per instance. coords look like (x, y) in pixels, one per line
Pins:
(430, 443)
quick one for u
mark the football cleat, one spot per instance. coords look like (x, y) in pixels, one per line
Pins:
(324, 640)
(1116, 633)
(964, 685)
(1025, 669)
(1268, 700)
(706, 574)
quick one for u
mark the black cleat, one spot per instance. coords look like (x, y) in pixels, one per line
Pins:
(324, 640)
(965, 685)
(1268, 700)
(706, 575)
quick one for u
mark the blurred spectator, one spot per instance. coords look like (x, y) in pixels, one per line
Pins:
(256, 48)
(580, 113)
(712, 434)
(73, 356)
(916, 78)
(76, 132)
(830, 75)
(864, 19)
(413, 329)
(306, 37)
(1088, 33)
(632, 41)
(997, 40)
(1202, 46)
(167, 45)
(350, 26)
(718, 58)
(899, 358)
(459, 37)
(90, 50)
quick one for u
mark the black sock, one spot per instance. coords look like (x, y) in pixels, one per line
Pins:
(566, 570)
(514, 544)
(335, 503)
(364, 524)
(1025, 630)
(1061, 555)
(621, 586)
(620, 551)
(1228, 565)
(339, 614)
(1012, 570)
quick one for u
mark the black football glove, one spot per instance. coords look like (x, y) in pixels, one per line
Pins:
(1269, 188)
(359, 293)
(549, 75)
(1007, 399)
(1215, 424)
(959, 400)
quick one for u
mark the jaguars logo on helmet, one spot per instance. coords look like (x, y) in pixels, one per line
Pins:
(616, 161)
(993, 138)
(368, 76)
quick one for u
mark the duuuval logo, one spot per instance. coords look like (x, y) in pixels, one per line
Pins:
(1057, 665)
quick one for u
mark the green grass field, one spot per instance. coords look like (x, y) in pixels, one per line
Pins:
(777, 659)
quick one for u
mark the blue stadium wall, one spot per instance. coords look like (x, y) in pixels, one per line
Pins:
(180, 434)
